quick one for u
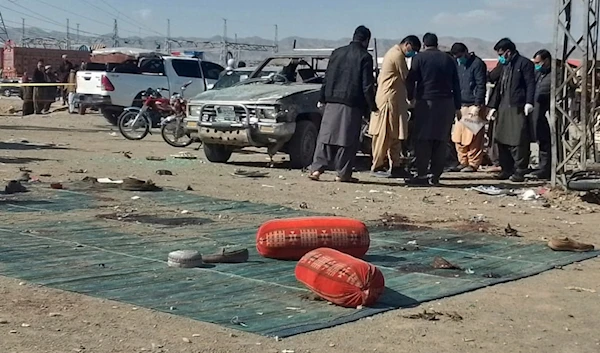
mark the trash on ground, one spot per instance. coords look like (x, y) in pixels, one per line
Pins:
(227, 257)
(443, 264)
(164, 172)
(492, 191)
(434, 316)
(469, 271)
(530, 195)
(236, 321)
(184, 155)
(580, 289)
(478, 218)
(56, 186)
(14, 187)
(78, 171)
(249, 174)
(154, 158)
(511, 232)
(133, 184)
(184, 259)
(109, 181)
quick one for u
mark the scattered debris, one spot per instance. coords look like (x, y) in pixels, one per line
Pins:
(443, 264)
(25, 325)
(24, 177)
(492, 275)
(78, 171)
(186, 340)
(164, 172)
(55, 314)
(567, 244)
(56, 186)
(468, 340)
(434, 316)
(236, 321)
(154, 158)
(303, 205)
(132, 184)
(479, 218)
(189, 188)
(311, 297)
(14, 187)
(580, 289)
(227, 257)
(184, 155)
(249, 174)
(3, 321)
(46, 175)
(492, 191)
(108, 181)
(184, 259)
(511, 232)
(127, 155)
(530, 195)
(135, 197)
(469, 271)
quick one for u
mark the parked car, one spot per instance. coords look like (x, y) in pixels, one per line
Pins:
(113, 86)
(8, 91)
(278, 111)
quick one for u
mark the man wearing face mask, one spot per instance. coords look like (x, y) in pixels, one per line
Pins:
(469, 132)
(434, 84)
(513, 100)
(539, 128)
(389, 126)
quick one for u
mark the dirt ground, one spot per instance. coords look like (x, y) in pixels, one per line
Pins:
(545, 313)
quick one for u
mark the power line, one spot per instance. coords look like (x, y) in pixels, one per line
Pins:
(74, 13)
(44, 19)
(118, 14)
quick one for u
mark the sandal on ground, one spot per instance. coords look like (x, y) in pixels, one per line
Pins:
(315, 176)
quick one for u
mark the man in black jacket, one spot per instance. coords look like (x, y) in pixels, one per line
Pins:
(469, 132)
(513, 99)
(347, 95)
(539, 128)
(433, 82)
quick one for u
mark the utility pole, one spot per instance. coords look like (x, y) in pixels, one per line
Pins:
(224, 49)
(68, 36)
(3, 32)
(23, 31)
(115, 36)
(78, 41)
(168, 42)
(276, 43)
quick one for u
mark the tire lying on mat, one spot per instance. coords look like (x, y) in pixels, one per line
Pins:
(292, 238)
(340, 278)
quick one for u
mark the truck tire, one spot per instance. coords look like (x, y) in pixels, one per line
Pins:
(217, 153)
(112, 116)
(301, 147)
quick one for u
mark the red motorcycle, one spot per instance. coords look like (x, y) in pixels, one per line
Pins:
(173, 128)
(135, 123)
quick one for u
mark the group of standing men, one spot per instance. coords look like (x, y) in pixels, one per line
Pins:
(443, 90)
(38, 99)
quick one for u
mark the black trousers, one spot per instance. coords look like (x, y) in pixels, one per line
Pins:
(545, 157)
(431, 156)
(514, 159)
(341, 158)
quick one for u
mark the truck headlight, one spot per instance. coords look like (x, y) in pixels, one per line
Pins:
(270, 113)
(195, 110)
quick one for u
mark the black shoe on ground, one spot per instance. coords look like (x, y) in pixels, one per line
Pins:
(503, 176)
(540, 175)
(418, 181)
(455, 169)
(400, 173)
(516, 178)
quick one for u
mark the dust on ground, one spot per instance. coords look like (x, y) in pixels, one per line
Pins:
(538, 314)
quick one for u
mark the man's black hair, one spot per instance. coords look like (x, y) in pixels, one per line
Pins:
(414, 42)
(361, 34)
(41, 61)
(505, 44)
(543, 54)
(459, 48)
(430, 40)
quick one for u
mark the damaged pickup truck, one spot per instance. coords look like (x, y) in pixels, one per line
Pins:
(274, 110)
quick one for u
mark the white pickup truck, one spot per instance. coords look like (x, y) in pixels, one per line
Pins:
(112, 87)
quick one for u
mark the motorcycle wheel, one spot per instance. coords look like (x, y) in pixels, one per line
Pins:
(174, 134)
(137, 131)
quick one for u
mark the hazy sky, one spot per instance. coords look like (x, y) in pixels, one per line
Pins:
(522, 20)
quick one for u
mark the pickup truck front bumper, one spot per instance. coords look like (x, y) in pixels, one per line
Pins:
(244, 130)
(245, 135)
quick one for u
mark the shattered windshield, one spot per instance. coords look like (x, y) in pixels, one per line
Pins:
(289, 70)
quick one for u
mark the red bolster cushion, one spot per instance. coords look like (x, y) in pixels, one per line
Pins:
(292, 238)
(340, 278)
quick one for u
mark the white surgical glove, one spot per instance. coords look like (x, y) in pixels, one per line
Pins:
(319, 105)
(528, 109)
